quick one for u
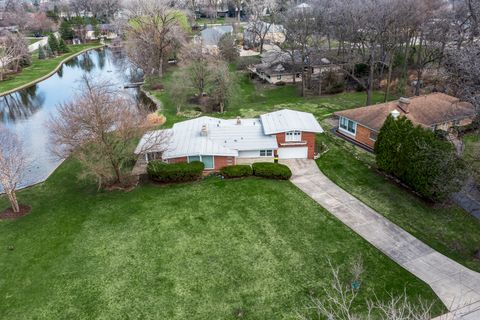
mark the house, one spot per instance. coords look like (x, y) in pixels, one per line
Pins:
(211, 36)
(104, 30)
(273, 33)
(218, 143)
(436, 111)
(277, 66)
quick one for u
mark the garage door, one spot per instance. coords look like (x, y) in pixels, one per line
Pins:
(293, 153)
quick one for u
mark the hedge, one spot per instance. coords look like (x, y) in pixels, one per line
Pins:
(176, 172)
(271, 170)
(236, 171)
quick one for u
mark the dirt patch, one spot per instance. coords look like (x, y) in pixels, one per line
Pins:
(9, 214)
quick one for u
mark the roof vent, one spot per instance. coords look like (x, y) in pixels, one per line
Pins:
(204, 131)
(404, 104)
(395, 113)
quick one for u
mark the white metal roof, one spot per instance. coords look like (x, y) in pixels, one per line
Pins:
(289, 120)
(224, 138)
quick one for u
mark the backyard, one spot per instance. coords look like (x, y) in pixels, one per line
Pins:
(214, 249)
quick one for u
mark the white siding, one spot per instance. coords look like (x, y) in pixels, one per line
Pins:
(249, 154)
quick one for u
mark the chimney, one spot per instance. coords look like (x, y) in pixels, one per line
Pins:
(404, 104)
(204, 131)
(239, 121)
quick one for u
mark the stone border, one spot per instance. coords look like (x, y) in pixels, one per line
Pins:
(50, 73)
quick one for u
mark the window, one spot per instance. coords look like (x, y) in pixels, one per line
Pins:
(207, 161)
(279, 77)
(293, 136)
(348, 125)
(373, 135)
(266, 153)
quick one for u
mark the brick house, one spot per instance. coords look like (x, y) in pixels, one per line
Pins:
(436, 111)
(218, 143)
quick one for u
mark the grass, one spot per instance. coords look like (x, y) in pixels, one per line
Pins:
(39, 68)
(202, 21)
(204, 250)
(254, 99)
(447, 229)
(472, 152)
(450, 230)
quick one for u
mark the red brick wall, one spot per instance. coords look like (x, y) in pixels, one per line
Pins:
(222, 161)
(177, 160)
(308, 137)
(363, 136)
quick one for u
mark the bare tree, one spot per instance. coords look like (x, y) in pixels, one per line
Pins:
(154, 32)
(340, 297)
(99, 127)
(13, 165)
(39, 22)
(261, 24)
(13, 49)
(222, 85)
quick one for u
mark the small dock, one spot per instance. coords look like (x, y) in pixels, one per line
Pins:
(133, 85)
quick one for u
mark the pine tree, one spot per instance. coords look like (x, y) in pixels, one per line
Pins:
(66, 30)
(41, 53)
(62, 46)
(53, 43)
(48, 51)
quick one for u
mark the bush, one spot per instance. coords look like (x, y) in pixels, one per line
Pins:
(244, 62)
(280, 84)
(419, 159)
(176, 172)
(271, 170)
(236, 171)
(41, 53)
(62, 46)
(53, 43)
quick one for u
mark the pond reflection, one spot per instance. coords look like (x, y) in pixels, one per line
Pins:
(27, 111)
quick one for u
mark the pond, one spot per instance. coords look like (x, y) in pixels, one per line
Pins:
(26, 112)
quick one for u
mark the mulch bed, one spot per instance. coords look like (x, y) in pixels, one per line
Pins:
(9, 214)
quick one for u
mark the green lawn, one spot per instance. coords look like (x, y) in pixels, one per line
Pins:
(253, 100)
(191, 251)
(448, 229)
(472, 152)
(39, 68)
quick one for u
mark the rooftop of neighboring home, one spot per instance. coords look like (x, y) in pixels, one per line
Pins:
(213, 136)
(427, 111)
(211, 35)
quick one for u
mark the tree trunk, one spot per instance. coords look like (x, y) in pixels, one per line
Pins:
(417, 85)
(12, 197)
(222, 107)
(371, 76)
(320, 84)
(389, 81)
(304, 83)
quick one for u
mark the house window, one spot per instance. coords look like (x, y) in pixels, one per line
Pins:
(279, 77)
(348, 125)
(207, 161)
(373, 135)
(298, 75)
(293, 136)
(266, 153)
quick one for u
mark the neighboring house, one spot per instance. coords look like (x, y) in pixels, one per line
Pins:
(218, 143)
(278, 66)
(106, 31)
(211, 36)
(273, 33)
(436, 111)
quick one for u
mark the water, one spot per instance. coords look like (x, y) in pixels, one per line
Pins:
(26, 112)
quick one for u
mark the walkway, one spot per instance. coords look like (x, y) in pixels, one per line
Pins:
(456, 285)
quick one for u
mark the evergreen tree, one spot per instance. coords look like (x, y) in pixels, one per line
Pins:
(416, 157)
(53, 43)
(66, 30)
(41, 53)
(62, 46)
(48, 51)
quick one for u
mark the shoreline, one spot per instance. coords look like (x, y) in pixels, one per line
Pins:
(51, 73)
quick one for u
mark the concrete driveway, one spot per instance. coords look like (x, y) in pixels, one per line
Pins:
(457, 286)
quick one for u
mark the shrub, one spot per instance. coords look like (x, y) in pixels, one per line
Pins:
(280, 83)
(236, 171)
(41, 53)
(271, 170)
(176, 172)
(419, 159)
(53, 43)
(62, 46)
